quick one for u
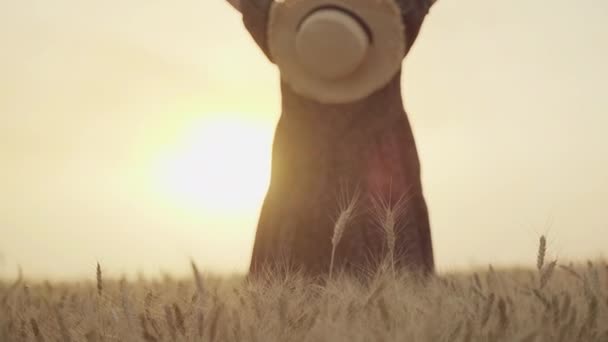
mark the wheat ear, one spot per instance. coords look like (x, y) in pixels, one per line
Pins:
(346, 214)
(542, 249)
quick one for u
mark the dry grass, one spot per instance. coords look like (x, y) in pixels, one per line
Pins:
(565, 303)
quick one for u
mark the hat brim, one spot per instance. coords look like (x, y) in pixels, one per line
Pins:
(383, 59)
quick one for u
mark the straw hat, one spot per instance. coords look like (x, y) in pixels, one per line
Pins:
(336, 51)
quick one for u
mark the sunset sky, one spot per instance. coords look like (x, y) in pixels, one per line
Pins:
(138, 133)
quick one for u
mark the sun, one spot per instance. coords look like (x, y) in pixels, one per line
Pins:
(218, 165)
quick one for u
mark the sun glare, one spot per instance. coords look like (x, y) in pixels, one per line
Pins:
(218, 165)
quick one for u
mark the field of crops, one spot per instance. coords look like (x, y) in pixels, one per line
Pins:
(554, 302)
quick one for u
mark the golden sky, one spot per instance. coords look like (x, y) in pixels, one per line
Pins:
(112, 115)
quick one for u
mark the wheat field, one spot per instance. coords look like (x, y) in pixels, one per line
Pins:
(554, 302)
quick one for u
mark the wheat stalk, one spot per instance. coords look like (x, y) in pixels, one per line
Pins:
(346, 214)
(198, 279)
(487, 310)
(99, 280)
(36, 330)
(12, 288)
(170, 322)
(503, 318)
(541, 298)
(390, 222)
(570, 270)
(179, 319)
(467, 336)
(547, 273)
(124, 296)
(565, 307)
(594, 275)
(145, 332)
(65, 333)
(213, 328)
(387, 215)
(200, 324)
(592, 313)
(542, 249)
